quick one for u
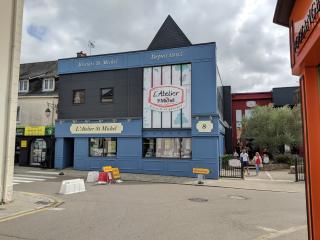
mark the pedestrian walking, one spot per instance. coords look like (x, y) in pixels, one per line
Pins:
(244, 158)
(258, 161)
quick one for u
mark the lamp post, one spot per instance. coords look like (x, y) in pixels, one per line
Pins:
(51, 109)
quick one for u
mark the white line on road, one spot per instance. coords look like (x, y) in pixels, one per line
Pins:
(34, 176)
(27, 178)
(40, 172)
(266, 180)
(280, 233)
(267, 229)
(269, 175)
(21, 181)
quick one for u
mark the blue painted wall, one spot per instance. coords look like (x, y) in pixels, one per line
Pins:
(206, 147)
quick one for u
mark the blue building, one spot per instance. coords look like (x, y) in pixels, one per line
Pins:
(156, 111)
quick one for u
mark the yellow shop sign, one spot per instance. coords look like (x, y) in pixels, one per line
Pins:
(35, 131)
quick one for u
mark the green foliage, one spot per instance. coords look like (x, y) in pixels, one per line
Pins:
(284, 158)
(270, 127)
(227, 157)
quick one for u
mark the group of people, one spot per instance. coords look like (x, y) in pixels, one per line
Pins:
(257, 159)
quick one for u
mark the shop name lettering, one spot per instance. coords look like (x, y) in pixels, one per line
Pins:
(96, 129)
(160, 56)
(308, 24)
(111, 61)
(164, 96)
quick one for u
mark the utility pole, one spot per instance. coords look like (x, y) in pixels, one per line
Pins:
(11, 12)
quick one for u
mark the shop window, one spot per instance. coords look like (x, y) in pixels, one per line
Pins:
(48, 85)
(24, 86)
(103, 147)
(106, 95)
(79, 96)
(167, 147)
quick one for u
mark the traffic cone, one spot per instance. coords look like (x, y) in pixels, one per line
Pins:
(103, 178)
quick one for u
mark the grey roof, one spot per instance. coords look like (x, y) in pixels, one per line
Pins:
(169, 36)
(285, 96)
(35, 73)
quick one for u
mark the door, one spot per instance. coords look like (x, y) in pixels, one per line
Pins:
(38, 152)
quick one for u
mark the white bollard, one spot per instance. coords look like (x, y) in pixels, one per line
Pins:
(92, 177)
(72, 186)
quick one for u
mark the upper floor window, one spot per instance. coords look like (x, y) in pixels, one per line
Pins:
(24, 86)
(79, 96)
(48, 85)
(106, 95)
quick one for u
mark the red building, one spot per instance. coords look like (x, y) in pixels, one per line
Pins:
(242, 104)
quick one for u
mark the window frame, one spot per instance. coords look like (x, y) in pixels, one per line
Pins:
(170, 158)
(44, 89)
(104, 155)
(84, 98)
(112, 100)
(23, 83)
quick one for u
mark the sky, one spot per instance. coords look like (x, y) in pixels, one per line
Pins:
(252, 51)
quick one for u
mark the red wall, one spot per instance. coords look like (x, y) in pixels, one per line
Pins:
(239, 102)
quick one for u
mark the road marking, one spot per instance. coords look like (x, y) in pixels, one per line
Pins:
(267, 229)
(261, 179)
(21, 181)
(280, 233)
(34, 176)
(56, 209)
(40, 172)
(27, 178)
(269, 175)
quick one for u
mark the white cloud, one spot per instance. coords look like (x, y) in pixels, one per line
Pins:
(253, 53)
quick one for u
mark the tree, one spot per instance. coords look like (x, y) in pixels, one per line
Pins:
(271, 128)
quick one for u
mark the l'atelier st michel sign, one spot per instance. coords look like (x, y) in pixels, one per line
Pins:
(167, 98)
(96, 128)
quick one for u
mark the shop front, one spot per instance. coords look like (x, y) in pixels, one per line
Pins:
(35, 146)
(152, 112)
(302, 18)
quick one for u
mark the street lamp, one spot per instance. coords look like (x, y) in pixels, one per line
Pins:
(48, 112)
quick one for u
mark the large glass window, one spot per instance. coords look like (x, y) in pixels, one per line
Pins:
(103, 147)
(167, 96)
(79, 96)
(167, 147)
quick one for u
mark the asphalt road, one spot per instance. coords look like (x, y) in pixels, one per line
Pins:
(161, 211)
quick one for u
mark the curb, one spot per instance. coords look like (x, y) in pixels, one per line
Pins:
(55, 203)
(213, 186)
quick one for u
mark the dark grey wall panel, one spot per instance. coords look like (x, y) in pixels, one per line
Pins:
(127, 100)
(227, 116)
(285, 96)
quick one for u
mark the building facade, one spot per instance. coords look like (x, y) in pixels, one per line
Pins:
(36, 114)
(153, 111)
(302, 18)
(244, 103)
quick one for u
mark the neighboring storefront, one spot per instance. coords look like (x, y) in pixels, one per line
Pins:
(35, 146)
(153, 111)
(302, 18)
(244, 103)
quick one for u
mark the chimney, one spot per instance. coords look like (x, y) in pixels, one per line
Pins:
(81, 54)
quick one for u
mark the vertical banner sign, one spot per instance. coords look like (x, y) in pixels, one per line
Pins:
(167, 96)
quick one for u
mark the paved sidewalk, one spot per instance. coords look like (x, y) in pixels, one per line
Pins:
(25, 203)
(260, 183)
